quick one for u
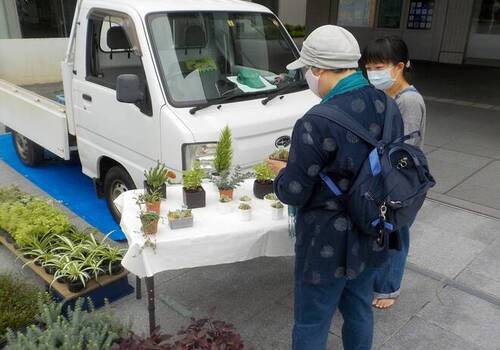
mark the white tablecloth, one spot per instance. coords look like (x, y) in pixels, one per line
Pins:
(215, 238)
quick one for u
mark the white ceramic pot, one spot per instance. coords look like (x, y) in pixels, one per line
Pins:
(225, 208)
(276, 213)
(245, 215)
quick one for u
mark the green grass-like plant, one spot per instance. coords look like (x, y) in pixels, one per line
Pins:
(264, 173)
(192, 179)
(224, 152)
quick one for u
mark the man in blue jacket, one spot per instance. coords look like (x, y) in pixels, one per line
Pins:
(333, 259)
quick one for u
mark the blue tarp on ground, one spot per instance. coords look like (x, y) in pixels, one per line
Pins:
(64, 181)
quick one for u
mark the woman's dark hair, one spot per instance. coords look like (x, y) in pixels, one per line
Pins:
(389, 49)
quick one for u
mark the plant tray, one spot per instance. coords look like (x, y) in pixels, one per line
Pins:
(109, 288)
(180, 223)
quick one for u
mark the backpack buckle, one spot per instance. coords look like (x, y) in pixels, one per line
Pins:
(381, 148)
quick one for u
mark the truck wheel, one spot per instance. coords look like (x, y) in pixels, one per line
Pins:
(28, 152)
(116, 181)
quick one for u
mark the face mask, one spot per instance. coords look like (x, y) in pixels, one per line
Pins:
(313, 82)
(381, 79)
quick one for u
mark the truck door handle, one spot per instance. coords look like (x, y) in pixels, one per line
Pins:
(87, 97)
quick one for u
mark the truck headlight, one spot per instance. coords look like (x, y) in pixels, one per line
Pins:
(202, 152)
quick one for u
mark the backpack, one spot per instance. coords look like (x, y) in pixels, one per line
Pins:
(393, 182)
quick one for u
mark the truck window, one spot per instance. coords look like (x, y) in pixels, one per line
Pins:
(110, 52)
(202, 56)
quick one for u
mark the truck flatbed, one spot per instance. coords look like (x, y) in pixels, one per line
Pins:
(49, 90)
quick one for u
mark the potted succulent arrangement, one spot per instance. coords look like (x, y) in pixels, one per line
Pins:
(281, 154)
(277, 210)
(245, 211)
(156, 179)
(149, 221)
(180, 219)
(270, 197)
(225, 204)
(192, 192)
(245, 200)
(264, 180)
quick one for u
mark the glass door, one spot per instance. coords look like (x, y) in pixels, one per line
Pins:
(484, 38)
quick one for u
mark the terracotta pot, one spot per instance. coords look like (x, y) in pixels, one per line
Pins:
(154, 207)
(226, 193)
(150, 228)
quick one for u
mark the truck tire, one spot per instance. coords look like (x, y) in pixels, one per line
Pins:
(28, 152)
(116, 181)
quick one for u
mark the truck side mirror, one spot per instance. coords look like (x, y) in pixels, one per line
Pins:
(128, 89)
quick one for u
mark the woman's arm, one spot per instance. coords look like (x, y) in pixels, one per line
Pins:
(295, 183)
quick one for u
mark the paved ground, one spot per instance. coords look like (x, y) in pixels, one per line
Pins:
(451, 291)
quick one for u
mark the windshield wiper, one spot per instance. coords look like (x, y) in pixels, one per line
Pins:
(283, 90)
(218, 101)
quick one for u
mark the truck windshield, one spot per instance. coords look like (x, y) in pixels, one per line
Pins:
(206, 56)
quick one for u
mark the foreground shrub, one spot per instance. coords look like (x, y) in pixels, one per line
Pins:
(203, 334)
(18, 303)
(81, 329)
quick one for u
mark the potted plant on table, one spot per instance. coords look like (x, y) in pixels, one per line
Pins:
(192, 192)
(277, 210)
(156, 179)
(245, 200)
(264, 180)
(281, 154)
(271, 197)
(224, 152)
(149, 221)
(245, 211)
(152, 200)
(225, 204)
(180, 219)
(227, 181)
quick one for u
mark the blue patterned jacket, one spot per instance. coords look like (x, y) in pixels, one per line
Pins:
(327, 245)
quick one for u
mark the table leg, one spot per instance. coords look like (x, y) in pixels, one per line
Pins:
(138, 292)
(150, 286)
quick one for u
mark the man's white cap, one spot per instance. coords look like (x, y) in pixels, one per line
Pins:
(328, 47)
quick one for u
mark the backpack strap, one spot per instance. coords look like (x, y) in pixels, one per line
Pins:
(390, 112)
(339, 117)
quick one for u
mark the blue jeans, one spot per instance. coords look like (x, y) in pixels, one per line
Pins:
(315, 306)
(389, 276)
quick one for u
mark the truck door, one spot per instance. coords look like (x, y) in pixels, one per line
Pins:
(126, 133)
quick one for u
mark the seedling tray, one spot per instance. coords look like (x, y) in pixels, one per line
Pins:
(109, 288)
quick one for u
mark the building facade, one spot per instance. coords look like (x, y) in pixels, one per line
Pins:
(36, 18)
(447, 31)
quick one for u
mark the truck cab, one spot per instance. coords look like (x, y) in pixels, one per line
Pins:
(157, 80)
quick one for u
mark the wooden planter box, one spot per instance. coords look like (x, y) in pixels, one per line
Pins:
(107, 287)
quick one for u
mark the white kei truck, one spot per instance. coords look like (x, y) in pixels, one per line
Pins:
(152, 80)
